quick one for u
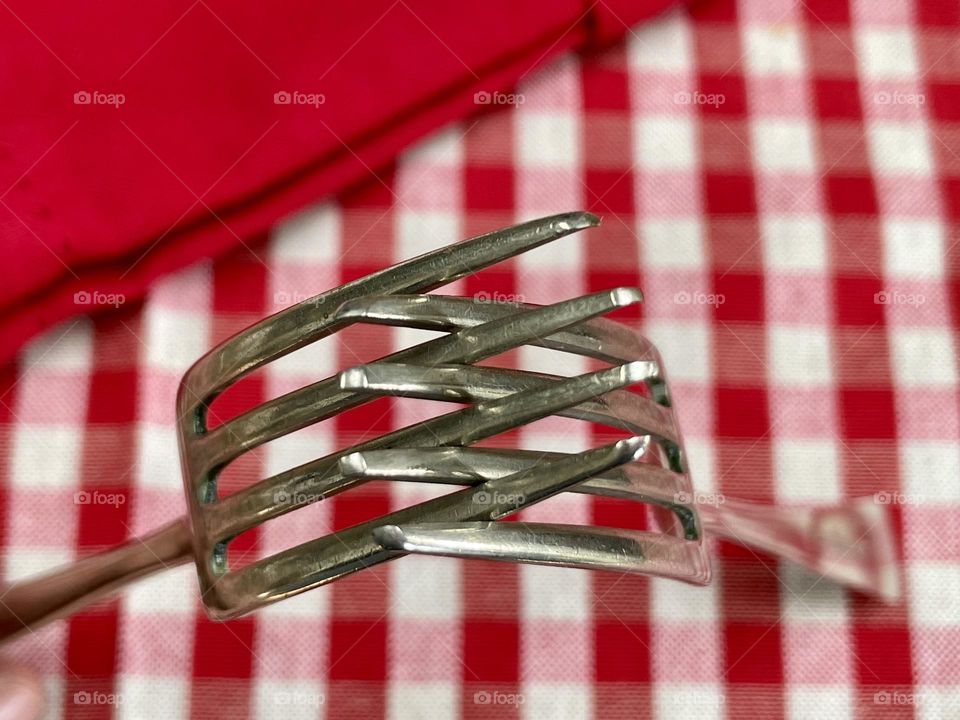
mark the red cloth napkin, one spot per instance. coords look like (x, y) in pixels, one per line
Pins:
(138, 139)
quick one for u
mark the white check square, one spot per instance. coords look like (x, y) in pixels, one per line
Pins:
(773, 49)
(886, 53)
(549, 139)
(899, 147)
(794, 243)
(913, 247)
(783, 145)
(800, 355)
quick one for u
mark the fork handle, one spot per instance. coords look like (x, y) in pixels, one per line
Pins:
(28, 604)
(852, 543)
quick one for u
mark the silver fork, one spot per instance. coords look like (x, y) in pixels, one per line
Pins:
(851, 543)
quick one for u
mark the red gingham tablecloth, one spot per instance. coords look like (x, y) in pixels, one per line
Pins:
(782, 180)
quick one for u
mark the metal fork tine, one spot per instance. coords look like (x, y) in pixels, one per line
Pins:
(324, 399)
(329, 558)
(598, 548)
(321, 478)
(597, 338)
(640, 481)
(306, 322)
(460, 383)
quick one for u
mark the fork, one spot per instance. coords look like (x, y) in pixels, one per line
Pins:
(851, 543)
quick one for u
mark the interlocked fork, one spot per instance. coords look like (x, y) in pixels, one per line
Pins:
(851, 543)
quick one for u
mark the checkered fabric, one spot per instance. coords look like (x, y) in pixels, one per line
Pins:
(782, 180)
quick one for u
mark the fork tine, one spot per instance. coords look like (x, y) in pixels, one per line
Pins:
(638, 481)
(601, 548)
(466, 383)
(598, 338)
(305, 322)
(320, 478)
(324, 399)
(329, 558)
(490, 417)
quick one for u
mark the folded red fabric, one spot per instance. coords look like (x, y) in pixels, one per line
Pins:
(139, 138)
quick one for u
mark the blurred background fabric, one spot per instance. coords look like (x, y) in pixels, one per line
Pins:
(782, 179)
